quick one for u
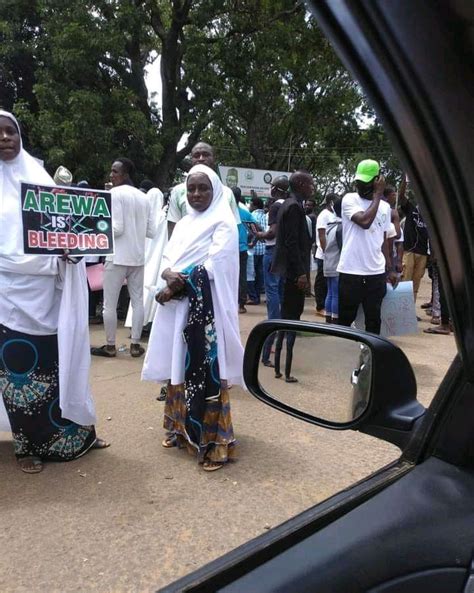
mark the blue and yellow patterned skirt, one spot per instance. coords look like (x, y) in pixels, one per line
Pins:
(29, 385)
(218, 443)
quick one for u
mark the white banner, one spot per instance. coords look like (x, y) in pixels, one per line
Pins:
(247, 179)
(398, 312)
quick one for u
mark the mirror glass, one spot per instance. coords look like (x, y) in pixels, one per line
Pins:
(326, 376)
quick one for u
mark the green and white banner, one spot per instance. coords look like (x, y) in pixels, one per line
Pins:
(56, 219)
(257, 180)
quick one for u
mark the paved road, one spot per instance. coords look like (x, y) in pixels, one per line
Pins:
(135, 517)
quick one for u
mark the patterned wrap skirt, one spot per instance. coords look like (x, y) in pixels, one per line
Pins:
(29, 385)
(218, 442)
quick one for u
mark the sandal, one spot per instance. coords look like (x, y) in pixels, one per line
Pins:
(291, 379)
(105, 350)
(30, 464)
(212, 466)
(163, 392)
(437, 330)
(100, 444)
(169, 442)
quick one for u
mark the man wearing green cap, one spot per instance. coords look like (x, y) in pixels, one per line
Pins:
(365, 265)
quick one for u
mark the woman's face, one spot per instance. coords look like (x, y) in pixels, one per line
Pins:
(199, 191)
(10, 143)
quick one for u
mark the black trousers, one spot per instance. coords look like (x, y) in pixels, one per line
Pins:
(367, 291)
(243, 278)
(320, 286)
(291, 308)
(293, 300)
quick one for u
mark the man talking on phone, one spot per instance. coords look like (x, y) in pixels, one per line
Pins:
(365, 265)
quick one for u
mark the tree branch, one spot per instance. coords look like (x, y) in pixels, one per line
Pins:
(156, 21)
(255, 29)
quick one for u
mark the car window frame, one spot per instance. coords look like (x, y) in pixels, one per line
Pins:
(364, 36)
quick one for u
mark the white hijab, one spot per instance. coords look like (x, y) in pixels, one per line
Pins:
(22, 168)
(193, 235)
(210, 238)
(73, 335)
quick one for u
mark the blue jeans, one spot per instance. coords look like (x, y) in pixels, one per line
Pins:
(255, 288)
(332, 297)
(320, 286)
(243, 278)
(274, 292)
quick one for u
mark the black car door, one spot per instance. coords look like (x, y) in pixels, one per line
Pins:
(410, 527)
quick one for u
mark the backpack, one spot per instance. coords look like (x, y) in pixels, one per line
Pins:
(332, 252)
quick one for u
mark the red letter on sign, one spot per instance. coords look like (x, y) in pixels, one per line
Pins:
(32, 239)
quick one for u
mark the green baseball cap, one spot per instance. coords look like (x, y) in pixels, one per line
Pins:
(367, 170)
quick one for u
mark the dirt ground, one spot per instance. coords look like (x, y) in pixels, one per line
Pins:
(135, 517)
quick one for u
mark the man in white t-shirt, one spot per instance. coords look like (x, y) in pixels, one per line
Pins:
(365, 265)
(324, 218)
(132, 222)
(201, 154)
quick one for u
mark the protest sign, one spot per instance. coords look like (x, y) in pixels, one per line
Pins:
(247, 179)
(59, 218)
(398, 312)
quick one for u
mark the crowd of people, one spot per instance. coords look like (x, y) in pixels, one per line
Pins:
(190, 270)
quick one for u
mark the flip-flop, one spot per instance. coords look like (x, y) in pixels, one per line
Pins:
(163, 393)
(100, 444)
(437, 330)
(37, 464)
(169, 442)
(212, 466)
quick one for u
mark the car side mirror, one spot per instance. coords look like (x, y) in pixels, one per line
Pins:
(334, 377)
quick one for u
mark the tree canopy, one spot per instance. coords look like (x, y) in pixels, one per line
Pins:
(255, 78)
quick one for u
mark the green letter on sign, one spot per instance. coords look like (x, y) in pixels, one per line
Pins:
(63, 204)
(30, 203)
(100, 208)
(47, 202)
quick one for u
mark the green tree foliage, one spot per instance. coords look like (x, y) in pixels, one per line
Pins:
(254, 77)
(20, 28)
(88, 105)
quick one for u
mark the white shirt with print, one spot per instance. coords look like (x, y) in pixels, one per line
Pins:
(362, 248)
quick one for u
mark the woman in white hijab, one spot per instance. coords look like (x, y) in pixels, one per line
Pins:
(44, 341)
(200, 267)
